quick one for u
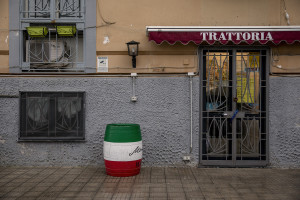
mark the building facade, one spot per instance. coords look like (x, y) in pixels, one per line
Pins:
(212, 83)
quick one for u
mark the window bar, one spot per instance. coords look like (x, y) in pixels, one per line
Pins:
(55, 116)
(243, 93)
(79, 9)
(226, 105)
(220, 136)
(208, 97)
(254, 71)
(220, 86)
(70, 118)
(207, 127)
(42, 5)
(26, 115)
(254, 106)
(35, 9)
(77, 116)
(56, 49)
(77, 53)
(214, 80)
(208, 82)
(241, 81)
(58, 11)
(248, 72)
(260, 110)
(234, 107)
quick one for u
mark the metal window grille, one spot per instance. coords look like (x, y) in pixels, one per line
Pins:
(52, 116)
(53, 53)
(234, 106)
(52, 9)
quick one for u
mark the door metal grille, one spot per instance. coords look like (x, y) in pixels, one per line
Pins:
(233, 107)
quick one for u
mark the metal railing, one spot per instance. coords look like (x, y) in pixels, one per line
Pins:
(52, 9)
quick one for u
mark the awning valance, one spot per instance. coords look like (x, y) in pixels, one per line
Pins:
(224, 34)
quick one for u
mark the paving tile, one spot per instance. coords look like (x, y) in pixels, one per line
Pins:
(82, 198)
(73, 188)
(139, 195)
(107, 189)
(195, 198)
(176, 195)
(86, 194)
(49, 194)
(120, 196)
(158, 189)
(176, 198)
(39, 189)
(175, 189)
(124, 190)
(104, 195)
(67, 194)
(13, 194)
(158, 195)
(143, 189)
(86, 183)
(32, 194)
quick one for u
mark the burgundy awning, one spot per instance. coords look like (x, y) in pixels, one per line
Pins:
(224, 35)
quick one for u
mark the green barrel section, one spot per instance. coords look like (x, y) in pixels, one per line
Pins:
(123, 133)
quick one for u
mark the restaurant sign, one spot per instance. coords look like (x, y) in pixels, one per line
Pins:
(238, 36)
(223, 35)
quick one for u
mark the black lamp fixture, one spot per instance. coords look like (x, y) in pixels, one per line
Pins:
(133, 50)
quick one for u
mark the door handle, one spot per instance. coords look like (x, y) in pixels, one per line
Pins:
(235, 99)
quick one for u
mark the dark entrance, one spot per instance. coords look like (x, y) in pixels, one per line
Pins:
(234, 106)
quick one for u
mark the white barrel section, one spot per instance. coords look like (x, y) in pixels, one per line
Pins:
(123, 151)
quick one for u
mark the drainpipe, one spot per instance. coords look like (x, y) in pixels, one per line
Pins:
(133, 97)
(191, 74)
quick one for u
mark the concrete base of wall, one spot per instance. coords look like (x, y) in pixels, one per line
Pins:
(162, 110)
(284, 122)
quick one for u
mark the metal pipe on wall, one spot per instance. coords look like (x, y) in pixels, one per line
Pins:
(191, 102)
(191, 74)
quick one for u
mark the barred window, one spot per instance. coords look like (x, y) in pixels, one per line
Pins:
(53, 36)
(53, 52)
(52, 9)
(52, 116)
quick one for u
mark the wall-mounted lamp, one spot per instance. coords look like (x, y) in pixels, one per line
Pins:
(133, 50)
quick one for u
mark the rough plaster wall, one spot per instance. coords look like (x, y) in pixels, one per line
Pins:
(284, 122)
(162, 110)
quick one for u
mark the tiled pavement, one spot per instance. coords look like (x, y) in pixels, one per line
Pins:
(152, 183)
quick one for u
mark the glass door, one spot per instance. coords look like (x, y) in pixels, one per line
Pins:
(233, 117)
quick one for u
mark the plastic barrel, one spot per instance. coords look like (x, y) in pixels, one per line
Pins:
(122, 149)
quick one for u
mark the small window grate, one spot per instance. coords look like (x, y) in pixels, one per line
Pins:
(52, 116)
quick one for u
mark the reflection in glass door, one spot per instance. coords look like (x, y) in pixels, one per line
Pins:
(233, 107)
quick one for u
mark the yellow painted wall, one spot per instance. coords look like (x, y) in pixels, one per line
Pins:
(126, 20)
(130, 19)
(4, 32)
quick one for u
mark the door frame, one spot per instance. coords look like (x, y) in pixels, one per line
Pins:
(235, 163)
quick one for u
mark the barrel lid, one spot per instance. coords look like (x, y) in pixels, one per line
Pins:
(123, 133)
